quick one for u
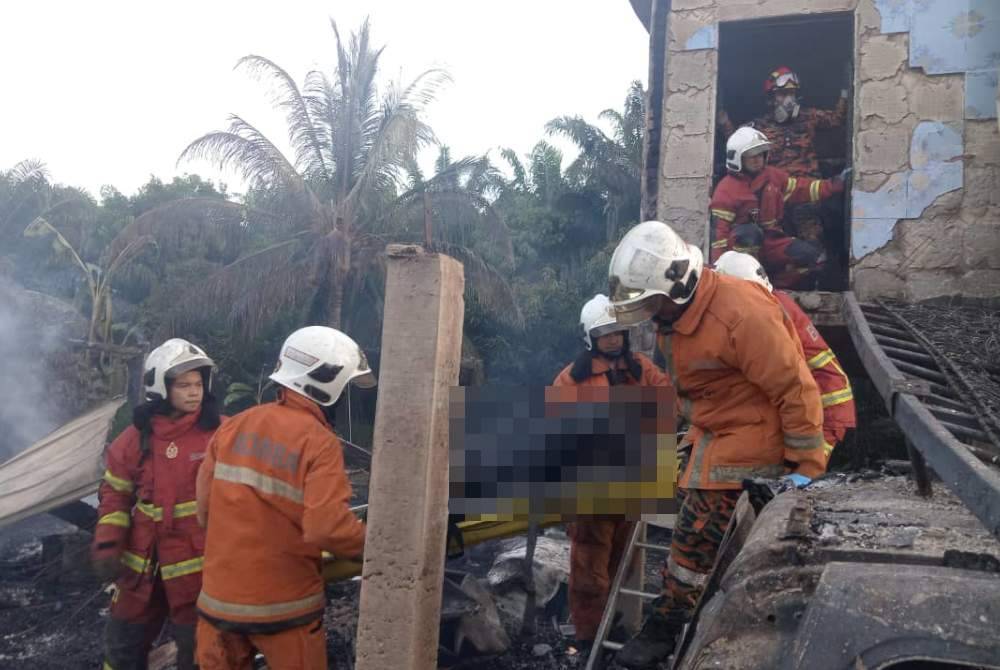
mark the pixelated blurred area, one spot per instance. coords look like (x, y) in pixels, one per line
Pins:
(556, 453)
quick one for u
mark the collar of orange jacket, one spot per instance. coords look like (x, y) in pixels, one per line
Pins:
(298, 401)
(699, 303)
(599, 364)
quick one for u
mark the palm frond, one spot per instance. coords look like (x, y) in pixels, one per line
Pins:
(520, 181)
(26, 171)
(485, 285)
(252, 290)
(463, 217)
(398, 135)
(178, 225)
(248, 151)
(301, 127)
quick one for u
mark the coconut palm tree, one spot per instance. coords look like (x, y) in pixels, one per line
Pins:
(350, 144)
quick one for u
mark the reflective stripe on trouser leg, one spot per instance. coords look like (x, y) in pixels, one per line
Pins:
(702, 521)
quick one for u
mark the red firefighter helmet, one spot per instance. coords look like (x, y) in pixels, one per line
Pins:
(781, 79)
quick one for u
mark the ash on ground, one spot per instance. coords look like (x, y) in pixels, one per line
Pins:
(48, 619)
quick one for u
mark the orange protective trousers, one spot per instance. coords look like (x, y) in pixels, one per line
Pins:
(301, 648)
(596, 550)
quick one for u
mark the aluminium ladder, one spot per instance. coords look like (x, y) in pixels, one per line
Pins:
(601, 641)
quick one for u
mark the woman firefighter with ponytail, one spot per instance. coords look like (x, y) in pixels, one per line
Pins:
(148, 538)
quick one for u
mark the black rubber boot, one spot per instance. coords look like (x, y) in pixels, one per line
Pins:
(184, 637)
(125, 645)
(654, 643)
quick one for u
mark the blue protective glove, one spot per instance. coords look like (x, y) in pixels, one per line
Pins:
(799, 481)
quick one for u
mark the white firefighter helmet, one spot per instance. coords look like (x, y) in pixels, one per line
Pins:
(170, 360)
(743, 266)
(597, 318)
(318, 362)
(744, 143)
(651, 263)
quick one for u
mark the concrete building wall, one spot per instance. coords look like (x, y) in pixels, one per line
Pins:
(926, 198)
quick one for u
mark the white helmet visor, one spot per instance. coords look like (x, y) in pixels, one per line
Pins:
(639, 309)
(607, 329)
(365, 380)
(188, 366)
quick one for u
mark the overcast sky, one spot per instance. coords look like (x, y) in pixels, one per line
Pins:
(110, 92)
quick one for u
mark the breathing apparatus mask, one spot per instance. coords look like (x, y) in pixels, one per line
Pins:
(786, 107)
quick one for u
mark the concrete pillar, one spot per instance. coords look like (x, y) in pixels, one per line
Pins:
(408, 495)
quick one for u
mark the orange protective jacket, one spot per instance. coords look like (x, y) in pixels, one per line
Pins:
(274, 494)
(744, 385)
(146, 515)
(592, 370)
(834, 385)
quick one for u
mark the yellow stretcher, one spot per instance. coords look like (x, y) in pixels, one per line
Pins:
(473, 532)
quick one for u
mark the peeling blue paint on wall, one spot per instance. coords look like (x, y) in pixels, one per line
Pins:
(981, 95)
(935, 158)
(939, 37)
(897, 15)
(707, 37)
(935, 142)
(867, 235)
(982, 51)
(952, 37)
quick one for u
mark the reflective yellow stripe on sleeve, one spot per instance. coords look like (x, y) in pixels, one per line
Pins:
(720, 244)
(814, 191)
(724, 214)
(790, 187)
(837, 397)
(803, 441)
(820, 359)
(116, 519)
(188, 567)
(117, 483)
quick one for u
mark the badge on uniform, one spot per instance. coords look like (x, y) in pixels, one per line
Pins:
(172, 451)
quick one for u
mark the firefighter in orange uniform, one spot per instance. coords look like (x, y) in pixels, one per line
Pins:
(273, 494)
(598, 543)
(147, 533)
(743, 384)
(753, 196)
(790, 126)
(835, 388)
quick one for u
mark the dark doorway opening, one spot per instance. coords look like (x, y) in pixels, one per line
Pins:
(819, 49)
